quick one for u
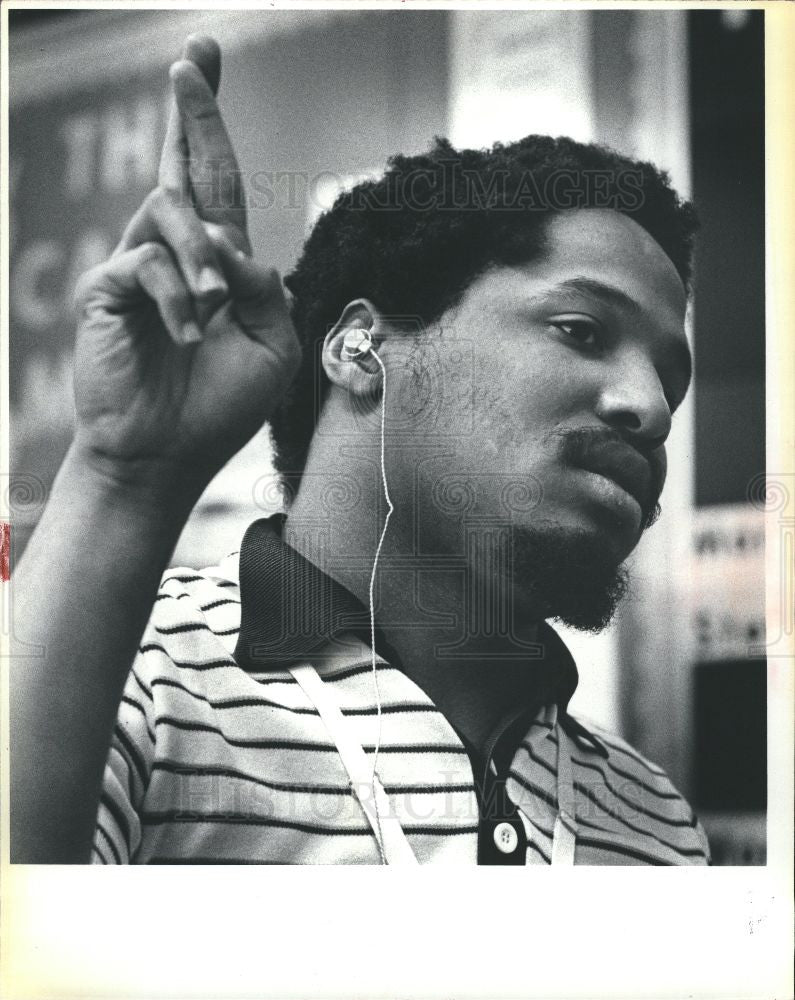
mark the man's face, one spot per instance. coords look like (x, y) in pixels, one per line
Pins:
(557, 378)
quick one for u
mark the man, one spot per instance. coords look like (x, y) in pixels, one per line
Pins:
(489, 352)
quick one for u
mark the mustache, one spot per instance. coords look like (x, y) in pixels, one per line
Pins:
(610, 454)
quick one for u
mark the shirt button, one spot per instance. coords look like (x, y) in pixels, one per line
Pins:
(506, 838)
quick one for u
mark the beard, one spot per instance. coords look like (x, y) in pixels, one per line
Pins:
(569, 576)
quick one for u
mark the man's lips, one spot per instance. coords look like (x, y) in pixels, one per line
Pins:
(625, 466)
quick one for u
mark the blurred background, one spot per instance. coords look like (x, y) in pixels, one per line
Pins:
(316, 99)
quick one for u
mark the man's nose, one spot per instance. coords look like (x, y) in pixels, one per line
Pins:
(633, 402)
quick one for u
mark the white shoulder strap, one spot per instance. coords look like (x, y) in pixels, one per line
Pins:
(388, 832)
(228, 569)
(564, 836)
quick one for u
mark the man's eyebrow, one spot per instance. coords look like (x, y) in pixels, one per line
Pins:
(613, 296)
(608, 294)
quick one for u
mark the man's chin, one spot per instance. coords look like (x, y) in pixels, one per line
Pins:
(571, 575)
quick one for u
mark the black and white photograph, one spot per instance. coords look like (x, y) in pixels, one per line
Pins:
(389, 461)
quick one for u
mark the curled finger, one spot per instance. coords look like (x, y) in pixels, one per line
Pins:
(165, 217)
(123, 283)
(258, 301)
(159, 276)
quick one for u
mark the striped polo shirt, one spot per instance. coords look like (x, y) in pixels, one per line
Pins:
(218, 756)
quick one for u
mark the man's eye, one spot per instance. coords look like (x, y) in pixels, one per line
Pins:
(584, 333)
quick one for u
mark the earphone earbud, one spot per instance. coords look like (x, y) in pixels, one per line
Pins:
(356, 344)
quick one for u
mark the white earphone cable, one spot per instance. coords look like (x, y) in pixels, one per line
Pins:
(390, 509)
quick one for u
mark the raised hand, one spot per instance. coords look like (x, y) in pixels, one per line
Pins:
(184, 347)
(185, 344)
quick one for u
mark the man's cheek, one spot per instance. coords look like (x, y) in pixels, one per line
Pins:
(413, 387)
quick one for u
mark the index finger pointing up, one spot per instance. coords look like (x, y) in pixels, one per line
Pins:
(173, 173)
(213, 170)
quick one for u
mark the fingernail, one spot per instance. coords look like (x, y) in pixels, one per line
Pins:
(211, 281)
(191, 334)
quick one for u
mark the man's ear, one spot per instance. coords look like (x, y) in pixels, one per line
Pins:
(355, 376)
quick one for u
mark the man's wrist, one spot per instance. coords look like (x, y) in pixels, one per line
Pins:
(155, 487)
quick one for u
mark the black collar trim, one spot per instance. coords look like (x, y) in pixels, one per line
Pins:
(291, 608)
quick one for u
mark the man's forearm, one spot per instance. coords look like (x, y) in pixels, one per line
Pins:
(82, 594)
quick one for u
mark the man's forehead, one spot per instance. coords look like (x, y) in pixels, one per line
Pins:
(586, 249)
(612, 248)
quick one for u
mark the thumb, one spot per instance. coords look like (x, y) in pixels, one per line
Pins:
(258, 302)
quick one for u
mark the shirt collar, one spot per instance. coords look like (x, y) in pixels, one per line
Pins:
(290, 608)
